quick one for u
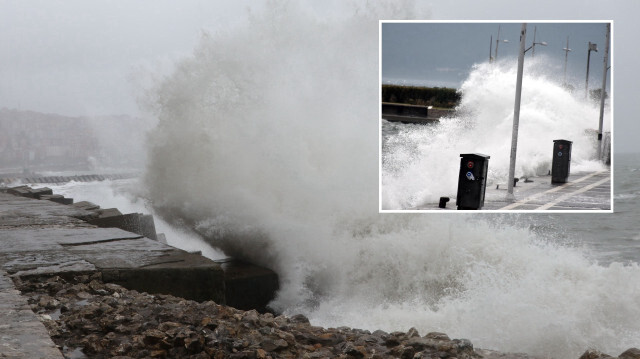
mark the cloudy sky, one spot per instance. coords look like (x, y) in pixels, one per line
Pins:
(78, 57)
(442, 53)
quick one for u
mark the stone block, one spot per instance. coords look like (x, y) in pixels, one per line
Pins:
(187, 276)
(162, 238)
(58, 198)
(132, 222)
(248, 286)
(88, 206)
(37, 192)
(24, 191)
(109, 212)
(148, 227)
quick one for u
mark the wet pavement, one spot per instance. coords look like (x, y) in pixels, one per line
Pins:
(583, 191)
(44, 238)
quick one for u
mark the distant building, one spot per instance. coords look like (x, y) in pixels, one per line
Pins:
(31, 139)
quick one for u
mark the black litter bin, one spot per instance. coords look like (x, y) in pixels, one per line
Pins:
(472, 181)
(561, 163)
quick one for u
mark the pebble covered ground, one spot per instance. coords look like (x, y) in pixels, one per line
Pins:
(88, 318)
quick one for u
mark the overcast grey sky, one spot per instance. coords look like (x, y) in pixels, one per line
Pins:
(442, 54)
(79, 57)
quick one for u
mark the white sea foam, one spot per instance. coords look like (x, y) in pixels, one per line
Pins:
(267, 144)
(420, 164)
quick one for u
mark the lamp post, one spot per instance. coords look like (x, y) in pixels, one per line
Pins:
(516, 114)
(495, 57)
(603, 92)
(533, 47)
(566, 54)
(490, 49)
(592, 47)
(516, 111)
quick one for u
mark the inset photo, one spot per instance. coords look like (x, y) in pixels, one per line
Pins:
(511, 116)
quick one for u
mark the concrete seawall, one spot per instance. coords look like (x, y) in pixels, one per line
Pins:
(8, 180)
(398, 112)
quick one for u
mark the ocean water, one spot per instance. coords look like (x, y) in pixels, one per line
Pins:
(614, 237)
(267, 149)
(550, 285)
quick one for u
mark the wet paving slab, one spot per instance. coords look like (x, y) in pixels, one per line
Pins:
(583, 191)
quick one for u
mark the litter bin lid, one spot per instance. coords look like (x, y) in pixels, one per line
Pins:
(475, 155)
(564, 141)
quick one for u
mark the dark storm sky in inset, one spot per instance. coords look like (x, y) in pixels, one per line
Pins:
(442, 54)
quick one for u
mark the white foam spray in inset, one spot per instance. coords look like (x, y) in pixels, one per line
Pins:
(267, 145)
(420, 164)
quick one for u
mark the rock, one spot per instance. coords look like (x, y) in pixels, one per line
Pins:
(159, 353)
(261, 354)
(166, 326)
(632, 353)
(463, 345)
(420, 344)
(134, 325)
(354, 351)
(437, 336)
(152, 337)
(271, 345)
(594, 354)
(91, 344)
(300, 319)
(392, 341)
(194, 343)
(48, 302)
(413, 332)
(245, 354)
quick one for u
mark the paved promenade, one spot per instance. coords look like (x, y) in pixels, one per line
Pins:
(44, 238)
(584, 191)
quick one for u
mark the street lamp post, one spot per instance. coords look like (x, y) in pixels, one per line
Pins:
(516, 110)
(516, 114)
(490, 49)
(592, 47)
(602, 92)
(495, 57)
(566, 54)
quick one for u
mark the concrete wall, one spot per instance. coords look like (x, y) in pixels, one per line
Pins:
(398, 109)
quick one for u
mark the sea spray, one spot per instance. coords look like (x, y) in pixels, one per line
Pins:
(420, 163)
(269, 124)
(267, 145)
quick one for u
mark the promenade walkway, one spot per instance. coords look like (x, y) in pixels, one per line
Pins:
(584, 191)
(43, 238)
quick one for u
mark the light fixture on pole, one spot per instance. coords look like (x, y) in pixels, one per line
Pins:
(533, 47)
(566, 54)
(592, 47)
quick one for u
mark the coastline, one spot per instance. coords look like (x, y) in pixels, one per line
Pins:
(87, 317)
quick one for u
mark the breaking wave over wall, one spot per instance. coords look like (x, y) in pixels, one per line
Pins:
(267, 145)
(420, 163)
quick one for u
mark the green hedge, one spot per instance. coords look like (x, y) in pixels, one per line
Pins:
(425, 96)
